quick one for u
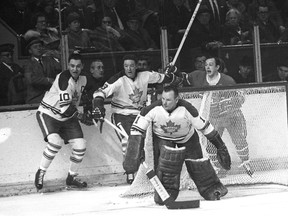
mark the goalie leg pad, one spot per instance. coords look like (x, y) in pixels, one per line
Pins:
(205, 178)
(169, 169)
(134, 153)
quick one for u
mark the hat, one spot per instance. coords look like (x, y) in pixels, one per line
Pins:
(72, 17)
(203, 9)
(33, 40)
(7, 47)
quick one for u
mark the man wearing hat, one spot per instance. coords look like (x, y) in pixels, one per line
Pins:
(8, 70)
(40, 71)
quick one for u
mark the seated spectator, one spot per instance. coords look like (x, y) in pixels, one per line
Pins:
(12, 88)
(203, 33)
(86, 10)
(233, 31)
(39, 71)
(136, 37)
(176, 19)
(48, 8)
(106, 38)
(48, 35)
(77, 37)
(274, 14)
(269, 31)
(280, 75)
(246, 72)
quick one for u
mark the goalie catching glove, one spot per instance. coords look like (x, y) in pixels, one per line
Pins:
(223, 155)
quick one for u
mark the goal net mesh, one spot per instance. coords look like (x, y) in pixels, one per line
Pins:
(265, 112)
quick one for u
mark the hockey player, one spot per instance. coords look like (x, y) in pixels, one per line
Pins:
(174, 123)
(225, 110)
(58, 118)
(129, 95)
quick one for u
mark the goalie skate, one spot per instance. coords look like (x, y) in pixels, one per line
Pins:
(73, 182)
(247, 167)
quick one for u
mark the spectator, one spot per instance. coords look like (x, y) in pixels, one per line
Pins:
(274, 14)
(106, 38)
(176, 19)
(10, 74)
(77, 37)
(118, 11)
(40, 71)
(199, 62)
(136, 37)
(269, 30)
(246, 71)
(47, 7)
(203, 33)
(48, 35)
(234, 32)
(218, 10)
(280, 75)
(86, 10)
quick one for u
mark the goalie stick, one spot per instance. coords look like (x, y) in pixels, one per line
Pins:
(168, 201)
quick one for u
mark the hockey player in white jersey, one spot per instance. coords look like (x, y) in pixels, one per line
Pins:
(129, 95)
(58, 119)
(175, 140)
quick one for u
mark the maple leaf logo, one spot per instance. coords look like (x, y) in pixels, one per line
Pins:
(136, 96)
(75, 98)
(170, 127)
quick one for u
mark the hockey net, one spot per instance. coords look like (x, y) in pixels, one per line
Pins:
(265, 111)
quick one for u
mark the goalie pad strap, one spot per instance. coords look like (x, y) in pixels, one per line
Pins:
(204, 176)
(134, 153)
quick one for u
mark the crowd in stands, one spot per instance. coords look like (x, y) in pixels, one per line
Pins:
(134, 25)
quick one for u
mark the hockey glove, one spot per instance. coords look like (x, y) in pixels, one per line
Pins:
(98, 112)
(169, 70)
(223, 155)
(85, 118)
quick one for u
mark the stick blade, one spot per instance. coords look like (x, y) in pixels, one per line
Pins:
(183, 204)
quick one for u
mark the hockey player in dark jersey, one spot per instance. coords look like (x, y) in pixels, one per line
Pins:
(175, 140)
(58, 119)
(225, 110)
(128, 89)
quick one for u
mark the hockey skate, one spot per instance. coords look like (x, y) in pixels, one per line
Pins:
(130, 178)
(39, 179)
(73, 182)
(247, 167)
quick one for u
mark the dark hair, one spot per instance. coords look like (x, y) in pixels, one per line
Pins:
(75, 56)
(173, 88)
(130, 57)
(34, 18)
(217, 60)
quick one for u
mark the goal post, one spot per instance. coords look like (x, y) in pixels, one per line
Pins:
(265, 128)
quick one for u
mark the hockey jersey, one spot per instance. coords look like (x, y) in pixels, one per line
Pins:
(177, 126)
(65, 92)
(129, 95)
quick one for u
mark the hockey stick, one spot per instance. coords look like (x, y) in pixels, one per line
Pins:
(168, 201)
(186, 33)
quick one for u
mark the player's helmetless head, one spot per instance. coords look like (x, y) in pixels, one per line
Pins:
(129, 64)
(75, 65)
(170, 97)
(212, 66)
(97, 69)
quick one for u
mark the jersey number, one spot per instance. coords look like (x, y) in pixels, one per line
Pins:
(64, 97)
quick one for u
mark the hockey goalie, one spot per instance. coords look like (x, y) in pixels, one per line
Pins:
(175, 141)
